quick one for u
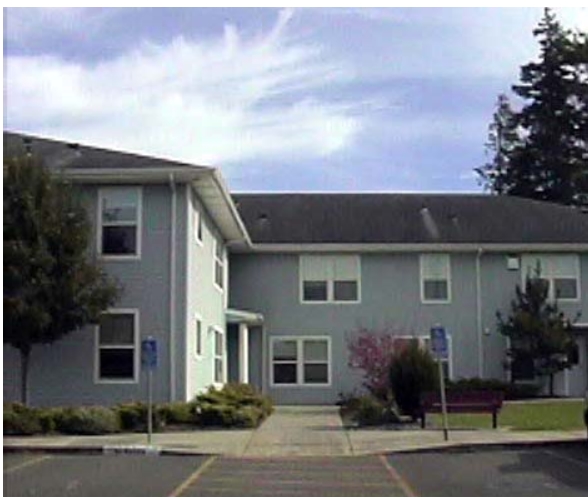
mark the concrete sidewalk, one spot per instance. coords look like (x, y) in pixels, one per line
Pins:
(292, 431)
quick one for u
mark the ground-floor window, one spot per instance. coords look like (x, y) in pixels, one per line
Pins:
(116, 346)
(219, 356)
(300, 361)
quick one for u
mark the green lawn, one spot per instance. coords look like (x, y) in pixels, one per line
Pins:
(551, 415)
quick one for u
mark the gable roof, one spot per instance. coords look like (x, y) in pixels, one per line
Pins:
(408, 219)
(58, 154)
(94, 165)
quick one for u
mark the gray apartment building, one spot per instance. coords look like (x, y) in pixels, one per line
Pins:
(268, 288)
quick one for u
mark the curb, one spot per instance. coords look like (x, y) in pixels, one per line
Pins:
(104, 449)
(451, 447)
(482, 446)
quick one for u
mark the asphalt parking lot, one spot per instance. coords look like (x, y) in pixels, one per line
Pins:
(531, 471)
(535, 471)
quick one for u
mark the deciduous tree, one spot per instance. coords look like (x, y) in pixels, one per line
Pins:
(51, 288)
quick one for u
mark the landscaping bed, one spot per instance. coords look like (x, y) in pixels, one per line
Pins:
(233, 406)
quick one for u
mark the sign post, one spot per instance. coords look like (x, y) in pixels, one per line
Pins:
(149, 363)
(439, 347)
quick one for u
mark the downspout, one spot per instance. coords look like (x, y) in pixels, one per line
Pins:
(479, 315)
(172, 291)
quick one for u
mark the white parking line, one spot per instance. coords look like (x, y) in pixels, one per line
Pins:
(30, 462)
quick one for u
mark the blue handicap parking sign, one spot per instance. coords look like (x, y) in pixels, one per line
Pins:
(439, 341)
(149, 353)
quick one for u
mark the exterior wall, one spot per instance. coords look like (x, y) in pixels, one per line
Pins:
(63, 373)
(203, 299)
(390, 296)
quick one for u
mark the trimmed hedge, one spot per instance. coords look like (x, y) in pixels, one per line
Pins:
(235, 405)
(86, 421)
(132, 416)
(21, 420)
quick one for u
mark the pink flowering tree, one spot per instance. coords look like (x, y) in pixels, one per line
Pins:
(372, 352)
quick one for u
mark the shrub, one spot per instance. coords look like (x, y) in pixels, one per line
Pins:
(47, 419)
(182, 413)
(86, 421)
(216, 414)
(132, 416)
(413, 372)
(248, 416)
(233, 405)
(369, 411)
(21, 420)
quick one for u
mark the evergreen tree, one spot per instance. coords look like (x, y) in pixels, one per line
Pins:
(50, 286)
(548, 159)
(503, 138)
(538, 331)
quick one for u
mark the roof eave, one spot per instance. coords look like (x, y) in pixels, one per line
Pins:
(414, 247)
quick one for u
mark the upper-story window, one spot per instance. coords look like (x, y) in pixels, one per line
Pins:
(198, 230)
(330, 278)
(219, 264)
(435, 269)
(120, 221)
(198, 339)
(562, 273)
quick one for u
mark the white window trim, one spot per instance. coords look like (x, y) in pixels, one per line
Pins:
(219, 384)
(422, 282)
(214, 262)
(551, 277)
(139, 224)
(300, 362)
(110, 381)
(330, 287)
(198, 356)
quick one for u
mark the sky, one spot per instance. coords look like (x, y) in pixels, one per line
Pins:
(349, 99)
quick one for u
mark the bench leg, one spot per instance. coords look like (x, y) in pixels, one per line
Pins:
(494, 419)
(423, 420)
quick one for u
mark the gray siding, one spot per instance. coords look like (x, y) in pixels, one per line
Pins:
(63, 373)
(390, 297)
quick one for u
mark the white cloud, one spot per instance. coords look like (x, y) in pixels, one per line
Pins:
(213, 101)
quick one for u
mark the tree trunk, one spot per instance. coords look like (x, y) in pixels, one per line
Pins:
(24, 375)
(551, 377)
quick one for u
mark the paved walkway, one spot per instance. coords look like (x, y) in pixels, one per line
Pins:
(293, 431)
(301, 431)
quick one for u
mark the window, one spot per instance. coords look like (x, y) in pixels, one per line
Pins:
(120, 221)
(303, 361)
(197, 226)
(219, 356)
(561, 272)
(329, 278)
(198, 337)
(435, 278)
(116, 357)
(219, 265)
